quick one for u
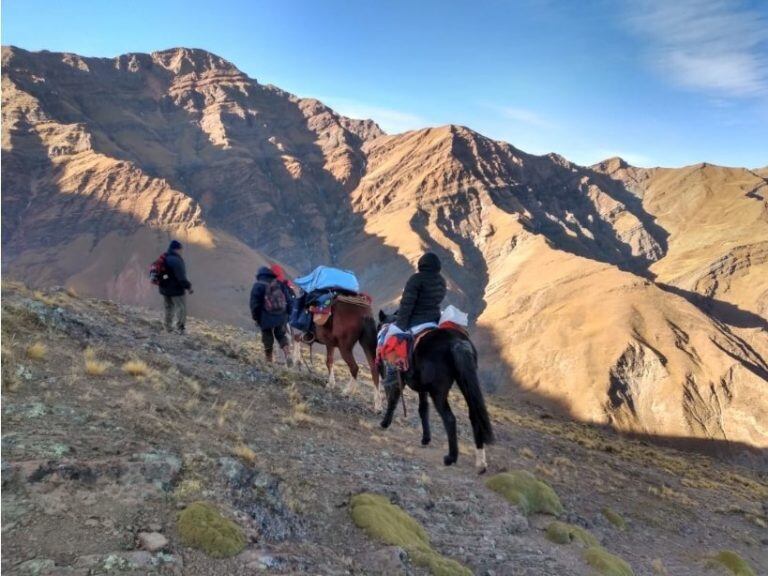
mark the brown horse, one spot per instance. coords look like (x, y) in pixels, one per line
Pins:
(349, 324)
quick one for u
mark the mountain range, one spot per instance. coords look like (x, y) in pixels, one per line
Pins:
(619, 295)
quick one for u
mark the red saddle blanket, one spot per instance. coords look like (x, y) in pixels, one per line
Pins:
(398, 349)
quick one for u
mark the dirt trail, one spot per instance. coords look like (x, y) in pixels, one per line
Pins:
(91, 461)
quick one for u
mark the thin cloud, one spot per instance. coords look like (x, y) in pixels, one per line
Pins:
(521, 115)
(718, 46)
(391, 120)
(525, 116)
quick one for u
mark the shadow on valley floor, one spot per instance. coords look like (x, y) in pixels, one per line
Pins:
(503, 389)
(738, 452)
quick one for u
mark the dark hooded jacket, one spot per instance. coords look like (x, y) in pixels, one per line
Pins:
(176, 283)
(268, 320)
(423, 294)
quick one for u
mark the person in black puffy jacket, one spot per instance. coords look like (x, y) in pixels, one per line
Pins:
(173, 287)
(423, 294)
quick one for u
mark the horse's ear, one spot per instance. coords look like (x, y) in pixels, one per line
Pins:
(382, 316)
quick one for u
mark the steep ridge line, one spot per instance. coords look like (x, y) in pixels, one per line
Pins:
(574, 276)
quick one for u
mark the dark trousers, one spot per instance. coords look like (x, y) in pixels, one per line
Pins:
(269, 335)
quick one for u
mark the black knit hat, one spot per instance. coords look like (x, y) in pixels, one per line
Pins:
(429, 263)
(175, 245)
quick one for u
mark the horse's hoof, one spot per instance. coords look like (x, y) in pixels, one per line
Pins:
(481, 471)
(385, 423)
(448, 460)
(426, 440)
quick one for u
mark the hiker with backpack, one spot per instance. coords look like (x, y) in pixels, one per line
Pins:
(169, 273)
(270, 301)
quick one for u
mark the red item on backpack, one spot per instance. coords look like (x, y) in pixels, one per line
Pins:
(274, 297)
(158, 271)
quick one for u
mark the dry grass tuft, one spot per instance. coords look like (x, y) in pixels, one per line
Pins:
(136, 368)
(526, 452)
(47, 300)
(94, 366)
(223, 413)
(245, 453)
(37, 351)
(668, 493)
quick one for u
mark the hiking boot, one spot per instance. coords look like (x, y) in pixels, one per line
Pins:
(268, 356)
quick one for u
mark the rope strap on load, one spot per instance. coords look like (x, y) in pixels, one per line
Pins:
(362, 300)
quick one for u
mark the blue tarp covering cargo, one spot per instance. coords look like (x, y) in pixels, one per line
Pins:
(326, 278)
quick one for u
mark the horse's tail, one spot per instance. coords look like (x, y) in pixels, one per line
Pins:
(465, 361)
(368, 337)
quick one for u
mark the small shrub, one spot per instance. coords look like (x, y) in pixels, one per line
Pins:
(562, 533)
(606, 563)
(37, 351)
(521, 488)
(615, 518)
(733, 562)
(390, 524)
(136, 368)
(203, 527)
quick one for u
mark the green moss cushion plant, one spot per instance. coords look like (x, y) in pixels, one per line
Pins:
(202, 526)
(562, 533)
(606, 563)
(384, 521)
(615, 518)
(521, 488)
(733, 562)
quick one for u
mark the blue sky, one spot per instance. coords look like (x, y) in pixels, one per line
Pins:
(658, 82)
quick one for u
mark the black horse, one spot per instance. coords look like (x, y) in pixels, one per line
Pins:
(442, 357)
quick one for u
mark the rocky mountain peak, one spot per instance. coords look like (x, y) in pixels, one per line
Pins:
(183, 61)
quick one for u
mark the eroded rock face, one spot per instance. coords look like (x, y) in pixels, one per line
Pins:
(634, 381)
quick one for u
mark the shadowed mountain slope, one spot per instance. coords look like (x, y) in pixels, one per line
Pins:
(621, 295)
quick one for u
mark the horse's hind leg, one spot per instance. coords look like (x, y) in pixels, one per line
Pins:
(426, 434)
(329, 352)
(449, 421)
(354, 369)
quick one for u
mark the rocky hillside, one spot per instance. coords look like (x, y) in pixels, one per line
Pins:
(129, 451)
(636, 297)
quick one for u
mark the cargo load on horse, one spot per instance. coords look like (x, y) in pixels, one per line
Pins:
(332, 311)
(320, 289)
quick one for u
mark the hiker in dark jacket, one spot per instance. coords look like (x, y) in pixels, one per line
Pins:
(423, 294)
(420, 303)
(269, 309)
(173, 287)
